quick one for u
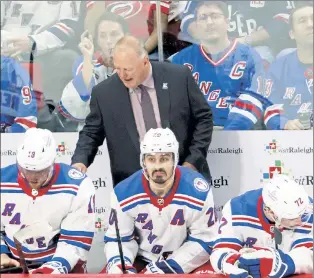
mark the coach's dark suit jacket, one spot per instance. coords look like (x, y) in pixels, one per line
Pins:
(182, 107)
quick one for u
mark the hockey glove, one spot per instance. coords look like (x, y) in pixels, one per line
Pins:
(227, 265)
(52, 267)
(162, 266)
(115, 267)
(267, 263)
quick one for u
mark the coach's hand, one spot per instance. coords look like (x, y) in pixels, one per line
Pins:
(6, 261)
(80, 166)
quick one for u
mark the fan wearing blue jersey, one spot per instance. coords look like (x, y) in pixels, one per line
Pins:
(18, 101)
(266, 232)
(226, 71)
(289, 85)
(57, 198)
(165, 213)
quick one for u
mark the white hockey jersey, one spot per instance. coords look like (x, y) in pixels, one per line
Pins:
(244, 224)
(66, 204)
(74, 103)
(50, 23)
(181, 224)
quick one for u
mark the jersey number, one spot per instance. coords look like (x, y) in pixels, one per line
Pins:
(223, 222)
(26, 95)
(212, 216)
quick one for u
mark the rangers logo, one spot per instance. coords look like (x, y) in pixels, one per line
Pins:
(125, 9)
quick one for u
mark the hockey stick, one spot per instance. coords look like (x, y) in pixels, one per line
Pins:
(20, 253)
(278, 237)
(34, 230)
(114, 212)
(18, 269)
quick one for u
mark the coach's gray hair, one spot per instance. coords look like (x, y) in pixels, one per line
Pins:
(131, 42)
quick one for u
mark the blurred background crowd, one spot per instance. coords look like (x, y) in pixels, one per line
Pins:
(253, 60)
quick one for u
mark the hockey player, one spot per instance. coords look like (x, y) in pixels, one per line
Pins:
(94, 66)
(165, 213)
(18, 102)
(289, 85)
(266, 232)
(36, 189)
(224, 69)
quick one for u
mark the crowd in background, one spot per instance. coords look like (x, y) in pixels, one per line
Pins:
(253, 60)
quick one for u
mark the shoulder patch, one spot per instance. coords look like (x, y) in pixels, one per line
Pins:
(75, 174)
(201, 185)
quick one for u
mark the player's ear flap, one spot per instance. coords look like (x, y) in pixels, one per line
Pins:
(291, 34)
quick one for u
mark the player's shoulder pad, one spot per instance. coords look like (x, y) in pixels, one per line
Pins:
(129, 187)
(9, 173)
(246, 203)
(193, 184)
(69, 175)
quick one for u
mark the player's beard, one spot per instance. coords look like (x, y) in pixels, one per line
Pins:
(159, 179)
(160, 185)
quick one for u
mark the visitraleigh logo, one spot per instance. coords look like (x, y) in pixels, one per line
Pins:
(8, 153)
(219, 182)
(275, 169)
(99, 183)
(274, 147)
(278, 167)
(225, 151)
(100, 221)
(63, 149)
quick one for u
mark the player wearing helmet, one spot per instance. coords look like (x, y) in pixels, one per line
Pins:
(165, 213)
(266, 232)
(30, 190)
(35, 158)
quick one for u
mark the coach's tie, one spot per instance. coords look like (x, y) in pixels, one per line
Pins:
(147, 109)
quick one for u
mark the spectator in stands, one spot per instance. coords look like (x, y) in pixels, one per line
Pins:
(224, 69)
(289, 84)
(261, 24)
(94, 66)
(47, 26)
(142, 21)
(144, 95)
(18, 103)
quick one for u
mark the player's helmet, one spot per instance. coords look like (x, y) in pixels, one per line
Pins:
(160, 140)
(286, 199)
(38, 150)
